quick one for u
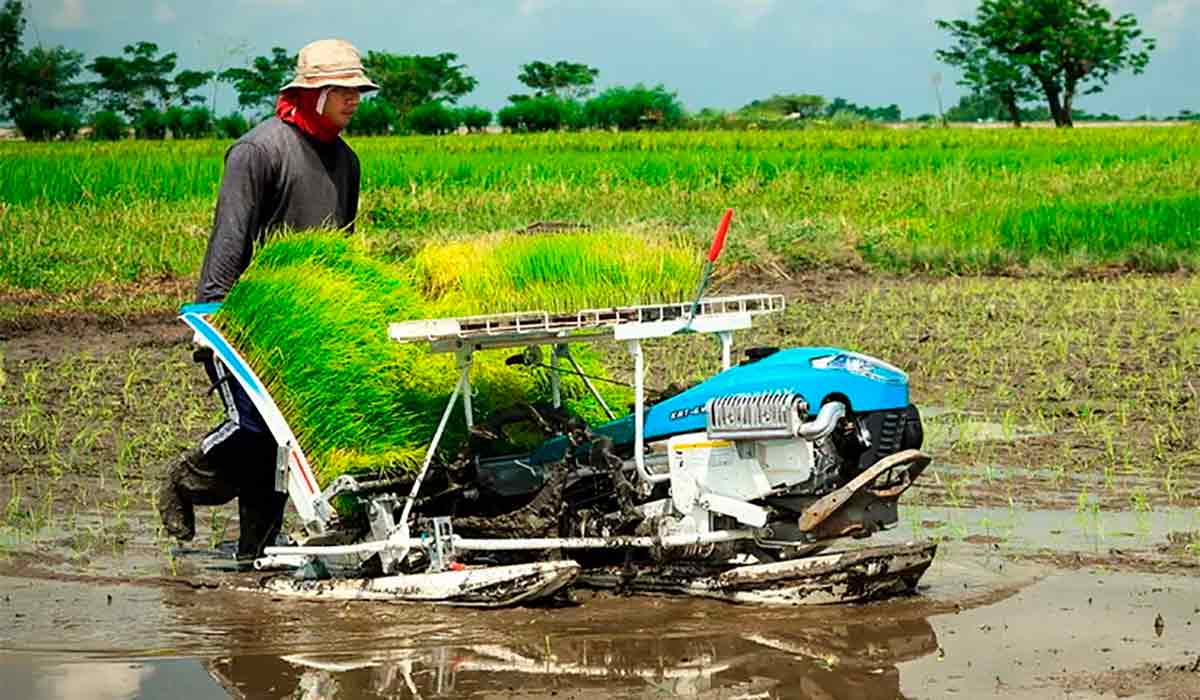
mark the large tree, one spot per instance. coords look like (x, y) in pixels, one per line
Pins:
(408, 81)
(989, 75)
(637, 107)
(39, 87)
(258, 85)
(46, 79)
(1066, 48)
(185, 84)
(138, 79)
(561, 79)
(12, 27)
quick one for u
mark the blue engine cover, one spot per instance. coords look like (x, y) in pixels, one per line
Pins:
(813, 373)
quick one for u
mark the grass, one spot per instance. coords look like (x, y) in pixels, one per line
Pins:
(58, 248)
(78, 216)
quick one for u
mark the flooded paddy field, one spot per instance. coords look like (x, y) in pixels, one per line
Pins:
(991, 619)
(1064, 493)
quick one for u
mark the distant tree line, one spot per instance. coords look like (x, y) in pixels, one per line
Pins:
(143, 91)
(801, 107)
(1014, 52)
(982, 107)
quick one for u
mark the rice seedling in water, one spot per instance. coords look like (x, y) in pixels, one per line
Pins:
(312, 311)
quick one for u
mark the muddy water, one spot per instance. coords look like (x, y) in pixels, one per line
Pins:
(984, 625)
(1021, 530)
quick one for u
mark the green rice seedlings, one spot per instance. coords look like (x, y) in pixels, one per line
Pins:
(311, 317)
(217, 525)
(557, 272)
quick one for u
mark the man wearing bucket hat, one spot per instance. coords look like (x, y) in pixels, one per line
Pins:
(293, 171)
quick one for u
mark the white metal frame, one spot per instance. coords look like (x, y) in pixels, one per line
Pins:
(632, 324)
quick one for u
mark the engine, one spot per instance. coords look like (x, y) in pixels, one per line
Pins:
(754, 446)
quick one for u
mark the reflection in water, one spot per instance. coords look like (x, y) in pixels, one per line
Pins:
(836, 661)
(99, 681)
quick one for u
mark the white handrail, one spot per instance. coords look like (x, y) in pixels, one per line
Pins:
(532, 324)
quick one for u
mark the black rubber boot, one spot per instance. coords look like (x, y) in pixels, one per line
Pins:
(260, 518)
(190, 481)
(174, 507)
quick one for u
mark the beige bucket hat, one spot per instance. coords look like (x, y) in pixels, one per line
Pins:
(330, 62)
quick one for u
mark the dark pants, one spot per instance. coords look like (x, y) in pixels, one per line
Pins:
(235, 460)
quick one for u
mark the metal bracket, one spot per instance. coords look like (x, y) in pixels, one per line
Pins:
(441, 552)
(639, 415)
(282, 457)
(465, 355)
(908, 465)
(381, 515)
(726, 348)
(745, 513)
(555, 379)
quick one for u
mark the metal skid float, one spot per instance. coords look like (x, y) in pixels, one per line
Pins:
(731, 489)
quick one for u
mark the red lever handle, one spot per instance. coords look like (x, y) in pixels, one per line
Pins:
(719, 240)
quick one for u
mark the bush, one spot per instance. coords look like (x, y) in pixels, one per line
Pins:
(191, 123)
(431, 118)
(778, 106)
(108, 126)
(547, 113)
(173, 120)
(714, 120)
(637, 107)
(197, 123)
(47, 124)
(150, 123)
(374, 117)
(845, 119)
(889, 113)
(708, 119)
(232, 126)
(474, 118)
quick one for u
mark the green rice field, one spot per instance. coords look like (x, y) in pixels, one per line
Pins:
(121, 227)
(1039, 286)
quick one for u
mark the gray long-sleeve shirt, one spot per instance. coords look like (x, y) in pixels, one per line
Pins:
(275, 177)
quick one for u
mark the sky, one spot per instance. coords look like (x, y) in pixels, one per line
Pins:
(713, 53)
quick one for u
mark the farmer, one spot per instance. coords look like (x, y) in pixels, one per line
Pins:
(293, 171)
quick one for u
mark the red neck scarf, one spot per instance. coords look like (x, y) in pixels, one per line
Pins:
(298, 106)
